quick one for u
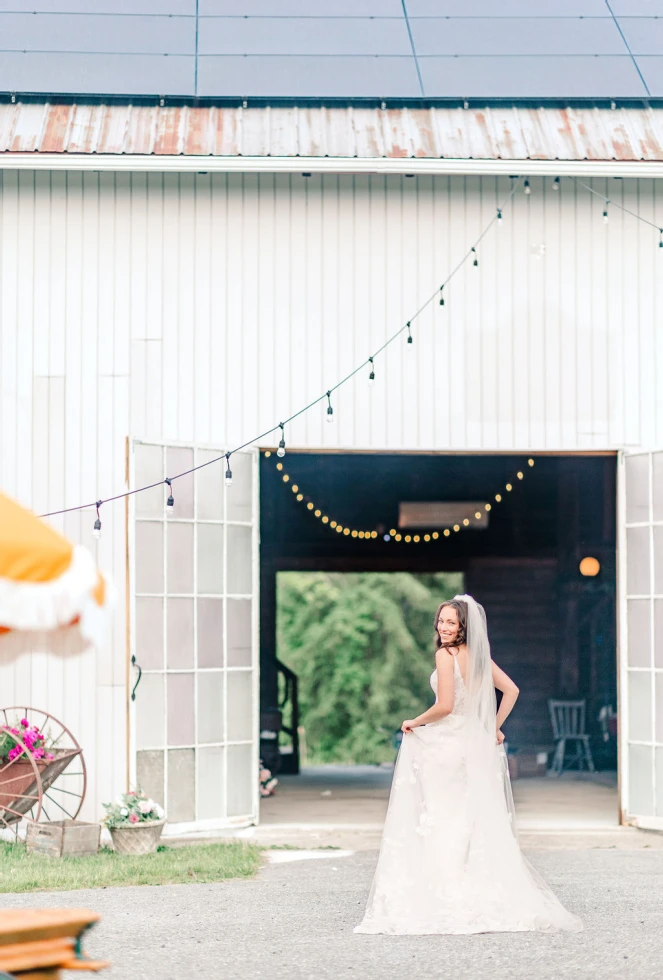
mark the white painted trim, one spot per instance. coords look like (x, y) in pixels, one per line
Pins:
(331, 165)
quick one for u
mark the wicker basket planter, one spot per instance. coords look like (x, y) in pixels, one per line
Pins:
(137, 838)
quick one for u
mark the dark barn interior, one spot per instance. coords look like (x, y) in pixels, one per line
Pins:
(551, 628)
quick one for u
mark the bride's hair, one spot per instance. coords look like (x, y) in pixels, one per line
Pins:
(461, 609)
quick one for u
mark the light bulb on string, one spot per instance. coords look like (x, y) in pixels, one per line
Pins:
(526, 187)
(556, 183)
(660, 237)
(409, 336)
(442, 295)
(96, 531)
(499, 217)
(330, 410)
(605, 213)
(371, 377)
(476, 257)
(170, 503)
(530, 462)
(280, 452)
(229, 475)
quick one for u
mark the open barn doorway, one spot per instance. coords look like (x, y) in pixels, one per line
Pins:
(531, 537)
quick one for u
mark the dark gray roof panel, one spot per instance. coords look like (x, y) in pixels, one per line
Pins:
(301, 8)
(644, 35)
(94, 34)
(308, 77)
(121, 74)
(651, 67)
(529, 77)
(637, 8)
(109, 8)
(518, 36)
(304, 35)
(506, 8)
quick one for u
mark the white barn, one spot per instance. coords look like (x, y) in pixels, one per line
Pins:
(177, 281)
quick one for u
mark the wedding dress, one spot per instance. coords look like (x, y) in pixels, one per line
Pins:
(450, 861)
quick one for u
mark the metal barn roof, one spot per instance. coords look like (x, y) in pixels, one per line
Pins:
(506, 134)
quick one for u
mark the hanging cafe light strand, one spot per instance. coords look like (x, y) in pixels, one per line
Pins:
(471, 253)
(394, 534)
(439, 293)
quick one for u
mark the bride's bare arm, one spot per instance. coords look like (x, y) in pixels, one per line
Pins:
(445, 691)
(509, 691)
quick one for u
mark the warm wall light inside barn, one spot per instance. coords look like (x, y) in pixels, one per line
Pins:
(590, 567)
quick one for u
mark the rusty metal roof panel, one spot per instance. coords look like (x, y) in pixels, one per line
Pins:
(497, 133)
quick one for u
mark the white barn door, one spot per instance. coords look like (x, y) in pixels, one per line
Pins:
(194, 636)
(641, 638)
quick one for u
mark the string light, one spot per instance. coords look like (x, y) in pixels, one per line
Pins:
(605, 213)
(96, 531)
(442, 290)
(392, 534)
(371, 377)
(170, 503)
(330, 412)
(499, 217)
(281, 450)
(660, 238)
(556, 183)
(526, 187)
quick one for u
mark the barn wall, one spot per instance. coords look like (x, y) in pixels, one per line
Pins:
(205, 308)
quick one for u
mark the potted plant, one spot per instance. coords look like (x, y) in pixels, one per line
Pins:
(135, 823)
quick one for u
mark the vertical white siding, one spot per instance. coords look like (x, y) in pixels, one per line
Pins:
(206, 308)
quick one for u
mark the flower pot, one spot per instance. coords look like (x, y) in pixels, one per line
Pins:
(137, 838)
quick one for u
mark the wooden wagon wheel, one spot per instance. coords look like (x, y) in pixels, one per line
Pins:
(21, 789)
(63, 780)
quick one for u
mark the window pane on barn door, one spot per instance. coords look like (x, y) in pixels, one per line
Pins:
(239, 496)
(638, 578)
(637, 488)
(210, 631)
(240, 779)
(179, 577)
(639, 706)
(150, 774)
(641, 788)
(209, 487)
(240, 560)
(657, 486)
(239, 632)
(180, 653)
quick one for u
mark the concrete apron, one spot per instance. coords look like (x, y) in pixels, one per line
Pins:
(343, 807)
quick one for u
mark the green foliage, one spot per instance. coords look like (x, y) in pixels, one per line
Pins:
(362, 646)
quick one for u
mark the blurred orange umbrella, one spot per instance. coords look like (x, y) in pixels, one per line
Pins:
(46, 582)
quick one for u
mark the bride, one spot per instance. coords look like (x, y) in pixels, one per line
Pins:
(449, 860)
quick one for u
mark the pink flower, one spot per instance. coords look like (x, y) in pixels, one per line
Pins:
(39, 753)
(14, 731)
(25, 722)
(134, 818)
(15, 752)
(49, 755)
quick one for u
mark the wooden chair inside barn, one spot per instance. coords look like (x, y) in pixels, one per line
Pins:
(568, 723)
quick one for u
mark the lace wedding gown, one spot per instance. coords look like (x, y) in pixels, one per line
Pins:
(446, 863)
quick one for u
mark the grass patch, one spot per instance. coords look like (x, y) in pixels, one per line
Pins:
(23, 872)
